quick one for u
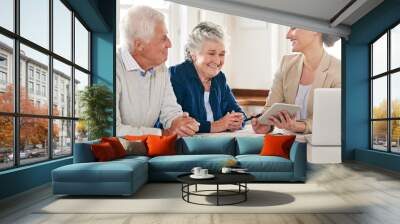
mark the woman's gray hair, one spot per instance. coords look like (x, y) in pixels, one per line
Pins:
(329, 39)
(202, 32)
(139, 22)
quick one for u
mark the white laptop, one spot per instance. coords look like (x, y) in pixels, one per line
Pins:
(326, 127)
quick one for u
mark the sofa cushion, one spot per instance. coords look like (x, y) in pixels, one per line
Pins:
(198, 145)
(112, 171)
(257, 163)
(185, 163)
(131, 158)
(249, 145)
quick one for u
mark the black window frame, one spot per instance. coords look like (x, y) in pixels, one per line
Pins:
(16, 115)
(388, 74)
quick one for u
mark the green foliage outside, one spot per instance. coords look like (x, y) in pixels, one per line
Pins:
(96, 102)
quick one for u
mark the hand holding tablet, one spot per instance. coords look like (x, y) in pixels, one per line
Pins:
(274, 110)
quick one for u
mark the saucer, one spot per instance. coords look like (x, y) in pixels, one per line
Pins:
(208, 176)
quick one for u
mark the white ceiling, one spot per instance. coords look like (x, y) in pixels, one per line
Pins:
(317, 15)
(322, 9)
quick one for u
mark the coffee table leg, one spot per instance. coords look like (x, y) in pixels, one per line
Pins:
(217, 194)
(188, 189)
(196, 188)
(245, 191)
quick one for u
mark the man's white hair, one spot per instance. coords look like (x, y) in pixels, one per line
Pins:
(139, 22)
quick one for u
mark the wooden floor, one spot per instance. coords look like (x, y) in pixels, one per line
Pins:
(378, 188)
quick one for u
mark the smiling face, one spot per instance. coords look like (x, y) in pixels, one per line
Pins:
(210, 58)
(302, 39)
(155, 51)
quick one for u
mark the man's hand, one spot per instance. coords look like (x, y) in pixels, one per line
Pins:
(183, 126)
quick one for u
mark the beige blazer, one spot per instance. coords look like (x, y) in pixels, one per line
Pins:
(287, 79)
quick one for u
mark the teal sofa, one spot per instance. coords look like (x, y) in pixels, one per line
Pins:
(125, 176)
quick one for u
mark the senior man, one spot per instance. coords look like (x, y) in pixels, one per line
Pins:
(144, 91)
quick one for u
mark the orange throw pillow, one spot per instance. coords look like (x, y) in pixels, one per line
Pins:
(116, 145)
(277, 145)
(136, 137)
(103, 152)
(161, 145)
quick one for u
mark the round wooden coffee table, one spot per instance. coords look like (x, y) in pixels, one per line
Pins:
(238, 179)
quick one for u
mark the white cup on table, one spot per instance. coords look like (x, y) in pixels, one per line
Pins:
(203, 172)
(196, 170)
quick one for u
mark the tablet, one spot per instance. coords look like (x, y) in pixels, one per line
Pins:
(275, 109)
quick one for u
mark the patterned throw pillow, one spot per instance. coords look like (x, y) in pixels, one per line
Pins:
(134, 147)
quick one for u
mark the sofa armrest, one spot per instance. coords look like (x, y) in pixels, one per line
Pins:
(83, 152)
(298, 155)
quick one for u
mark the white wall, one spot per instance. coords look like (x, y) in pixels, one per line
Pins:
(255, 53)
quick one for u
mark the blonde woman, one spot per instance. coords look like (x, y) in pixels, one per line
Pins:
(298, 76)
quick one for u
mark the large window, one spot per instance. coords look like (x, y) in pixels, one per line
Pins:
(385, 91)
(44, 64)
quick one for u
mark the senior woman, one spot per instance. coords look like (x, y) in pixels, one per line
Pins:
(200, 86)
(298, 76)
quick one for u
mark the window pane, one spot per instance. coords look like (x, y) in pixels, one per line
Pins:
(395, 138)
(81, 81)
(34, 81)
(81, 131)
(62, 29)
(395, 94)
(33, 139)
(81, 45)
(62, 89)
(379, 98)
(379, 55)
(6, 142)
(35, 21)
(6, 74)
(379, 135)
(62, 137)
(7, 14)
(395, 47)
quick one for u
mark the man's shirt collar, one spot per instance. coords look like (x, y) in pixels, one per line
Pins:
(131, 64)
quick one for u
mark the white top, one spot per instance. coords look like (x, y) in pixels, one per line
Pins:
(210, 116)
(143, 97)
(301, 100)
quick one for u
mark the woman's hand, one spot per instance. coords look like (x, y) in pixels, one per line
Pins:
(231, 121)
(288, 122)
(260, 128)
